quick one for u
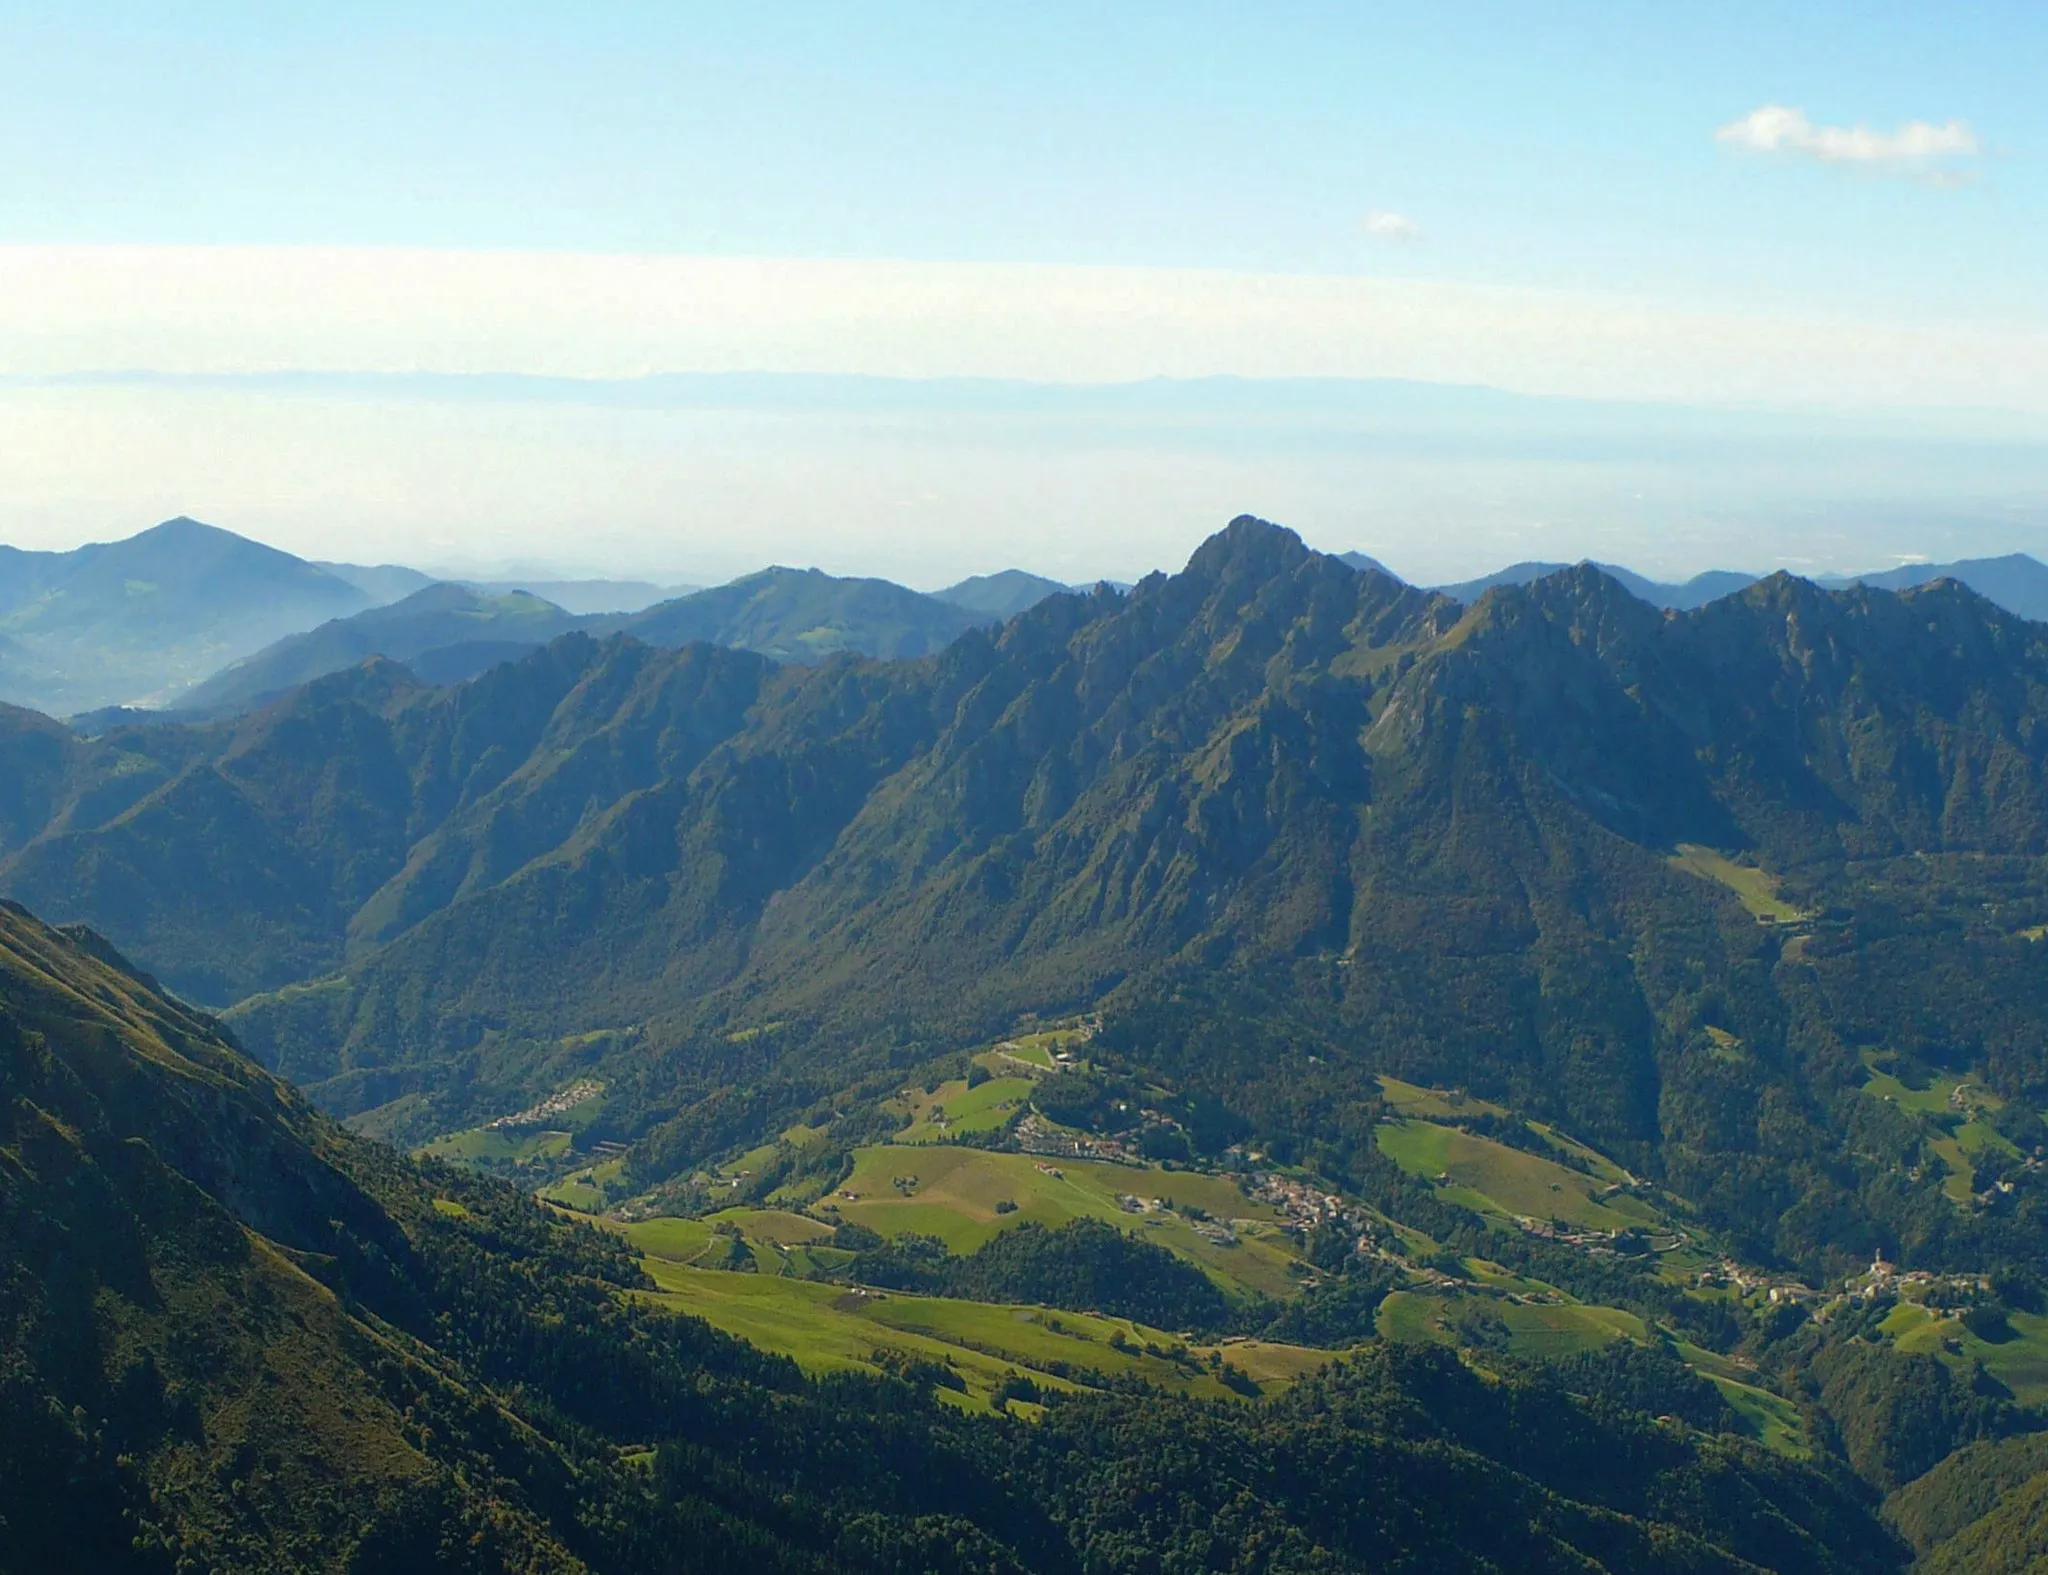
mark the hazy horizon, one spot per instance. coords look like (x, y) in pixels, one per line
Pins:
(697, 479)
(1751, 288)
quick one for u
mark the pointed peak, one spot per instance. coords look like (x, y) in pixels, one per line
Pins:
(185, 527)
(1248, 544)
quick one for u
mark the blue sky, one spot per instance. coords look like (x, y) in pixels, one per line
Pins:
(1556, 145)
(1592, 176)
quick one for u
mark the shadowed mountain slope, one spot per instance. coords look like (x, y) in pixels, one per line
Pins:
(435, 619)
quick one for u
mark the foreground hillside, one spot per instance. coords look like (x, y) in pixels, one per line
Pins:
(239, 1339)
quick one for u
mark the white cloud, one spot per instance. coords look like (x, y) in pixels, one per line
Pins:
(1383, 225)
(1918, 148)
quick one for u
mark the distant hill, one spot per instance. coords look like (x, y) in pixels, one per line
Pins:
(802, 615)
(1003, 594)
(140, 620)
(383, 583)
(585, 597)
(434, 624)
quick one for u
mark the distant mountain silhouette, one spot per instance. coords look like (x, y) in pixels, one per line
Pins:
(144, 618)
(803, 615)
(383, 583)
(588, 597)
(448, 633)
(1003, 594)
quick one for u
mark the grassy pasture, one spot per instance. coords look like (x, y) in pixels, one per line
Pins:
(1543, 1331)
(776, 1225)
(956, 1191)
(1411, 1099)
(781, 1243)
(1491, 1178)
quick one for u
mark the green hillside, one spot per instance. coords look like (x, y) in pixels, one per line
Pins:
(240, 1339)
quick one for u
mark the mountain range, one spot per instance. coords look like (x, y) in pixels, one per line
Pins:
(1728, 916)
(2016, 582)
(194, 620)
(1449, 829)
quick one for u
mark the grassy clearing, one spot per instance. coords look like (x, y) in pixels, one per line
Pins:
(953, 1108)
(953, 1193)
(672, 1240)
(827, 1327)
(1772, 1418)
(780, 1243)
(1450, 1105)
(1411, 1099)
(1491, 1178)
(1756, 889)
